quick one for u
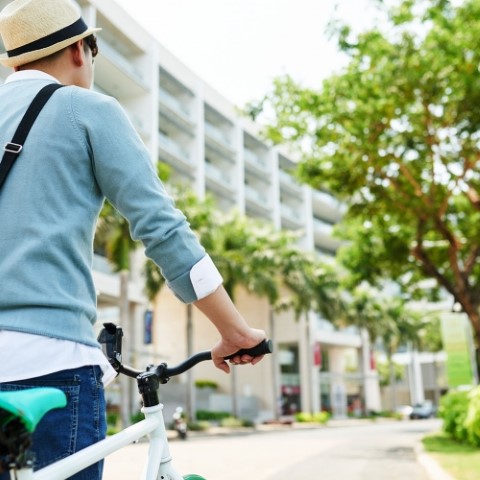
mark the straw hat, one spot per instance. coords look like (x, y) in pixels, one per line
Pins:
(33, 29)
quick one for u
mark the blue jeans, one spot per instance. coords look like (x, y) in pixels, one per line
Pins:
(82, 422)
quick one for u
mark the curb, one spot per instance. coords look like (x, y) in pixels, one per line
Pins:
(432, 468)
(274, 427)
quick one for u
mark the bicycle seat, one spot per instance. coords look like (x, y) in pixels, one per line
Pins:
(30, 405)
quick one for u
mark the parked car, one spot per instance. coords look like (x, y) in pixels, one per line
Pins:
(423, 410)
(404, 411)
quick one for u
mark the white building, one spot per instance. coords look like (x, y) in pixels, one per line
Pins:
(188, 125)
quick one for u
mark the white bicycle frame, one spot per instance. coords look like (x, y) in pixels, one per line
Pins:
(159, 461)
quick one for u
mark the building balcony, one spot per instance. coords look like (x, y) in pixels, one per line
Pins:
(323, 234)
(326, 206)
(219, 141)
(171, 152)
(176, 111)
(218, 180)
(258, 201)
(289, 185)
(140, 125)
(255, 164)
(111, 64)
(291, 217)
(101, 264)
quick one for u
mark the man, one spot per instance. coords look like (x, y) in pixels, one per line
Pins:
(81, 149)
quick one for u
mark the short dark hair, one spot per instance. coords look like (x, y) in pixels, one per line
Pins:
(91, 43)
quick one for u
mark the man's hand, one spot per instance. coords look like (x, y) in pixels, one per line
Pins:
(226, 347)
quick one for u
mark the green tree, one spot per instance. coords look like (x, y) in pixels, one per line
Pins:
(395, 135)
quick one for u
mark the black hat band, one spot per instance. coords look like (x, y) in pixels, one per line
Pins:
(71, 31)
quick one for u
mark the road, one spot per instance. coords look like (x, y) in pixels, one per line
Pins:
(380, 451)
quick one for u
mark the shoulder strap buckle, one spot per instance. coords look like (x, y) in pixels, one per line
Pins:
(13, 148)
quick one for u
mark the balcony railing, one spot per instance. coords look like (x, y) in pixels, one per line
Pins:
(217, 134)
(256, 196)
(174, 104)
(255, 159)
(216, 173)
(123, 63)
(291, 213)
(323, 227)
(173, 147)
(101, 264)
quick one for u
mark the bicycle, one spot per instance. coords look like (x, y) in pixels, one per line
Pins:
(21, 411)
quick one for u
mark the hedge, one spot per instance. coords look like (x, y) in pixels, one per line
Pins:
(460, 411)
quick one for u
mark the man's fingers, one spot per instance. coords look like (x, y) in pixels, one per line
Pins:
(255, 360)
(223, 365)
(245, 359)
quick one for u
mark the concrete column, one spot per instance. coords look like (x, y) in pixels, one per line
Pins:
(305, 364)
(417, 393)
(314, 369)
(371, 385)
(338, 390)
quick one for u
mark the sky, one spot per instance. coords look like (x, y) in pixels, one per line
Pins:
(239, 46)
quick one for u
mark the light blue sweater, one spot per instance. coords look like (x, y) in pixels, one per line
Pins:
(81, 149)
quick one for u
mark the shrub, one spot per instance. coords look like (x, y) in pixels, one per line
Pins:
(209, 415)
(206, 384)
(137, 417)
(321, 417)
(113, 418)
(318, 417)
(112, 430)
(231, 422)
(200, 426)
(303, 417)
(472, 420)
(453, 411)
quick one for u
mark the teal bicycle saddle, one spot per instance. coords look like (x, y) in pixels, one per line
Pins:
(30, 405)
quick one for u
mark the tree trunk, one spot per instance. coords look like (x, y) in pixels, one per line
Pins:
(233, 383)
(392, 381)
(275, 374)
(124, 306)
(473, 314)
(190, 401)
(436, 388)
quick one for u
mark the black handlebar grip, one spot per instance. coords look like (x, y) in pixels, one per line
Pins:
(266, 346)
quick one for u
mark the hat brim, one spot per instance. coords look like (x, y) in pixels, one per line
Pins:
(28, 57)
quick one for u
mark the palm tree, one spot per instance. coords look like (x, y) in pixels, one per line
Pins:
(113, 238)
(256, 256)
(363, 309)
(199, 213)
(400, 325)
(245, 254)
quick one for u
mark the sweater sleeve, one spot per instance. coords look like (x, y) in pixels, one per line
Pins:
(127, 178)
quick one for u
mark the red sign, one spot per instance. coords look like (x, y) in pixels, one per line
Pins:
(317, 355)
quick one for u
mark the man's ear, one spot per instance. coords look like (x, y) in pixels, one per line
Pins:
(78, 55)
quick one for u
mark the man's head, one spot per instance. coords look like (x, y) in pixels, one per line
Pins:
(32, 30)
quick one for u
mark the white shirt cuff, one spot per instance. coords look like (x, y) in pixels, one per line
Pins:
(205, 277)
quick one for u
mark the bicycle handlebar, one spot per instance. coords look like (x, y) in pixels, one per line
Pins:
(164, 372)
(111, 337)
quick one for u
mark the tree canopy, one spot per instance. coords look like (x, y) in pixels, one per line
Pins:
(395, 134)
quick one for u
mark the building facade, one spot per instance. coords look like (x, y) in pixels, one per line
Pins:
(209, 147)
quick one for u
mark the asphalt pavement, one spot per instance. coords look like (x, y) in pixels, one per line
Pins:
(117, 464)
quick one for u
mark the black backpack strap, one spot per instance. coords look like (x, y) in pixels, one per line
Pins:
(13, 148)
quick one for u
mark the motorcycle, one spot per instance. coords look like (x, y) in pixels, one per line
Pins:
(180, 423)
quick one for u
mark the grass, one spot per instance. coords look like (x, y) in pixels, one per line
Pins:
(461, 461)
